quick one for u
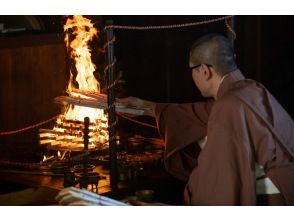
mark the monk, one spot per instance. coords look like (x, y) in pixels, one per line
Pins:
(237, 149)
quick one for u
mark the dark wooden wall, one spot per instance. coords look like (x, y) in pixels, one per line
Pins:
(33, 72)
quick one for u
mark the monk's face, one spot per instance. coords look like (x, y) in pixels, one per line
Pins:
(200, 79)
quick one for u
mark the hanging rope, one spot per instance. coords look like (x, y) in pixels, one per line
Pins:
(27, 128)
(2, 133)
(231, 30)
(110, 66)
(158, 27)
(108, 43)
(28, 165)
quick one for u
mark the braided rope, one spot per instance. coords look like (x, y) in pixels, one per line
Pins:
(113, 124)
(109, 65)
(110, 106)
(34, 165)
(19, 164)
(109, 42)
(27, 128)
(111, 85)
(158, 27)
(230, 29)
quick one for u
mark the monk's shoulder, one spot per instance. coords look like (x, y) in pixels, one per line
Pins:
(246, 89)
(228, 102)
(226, 110)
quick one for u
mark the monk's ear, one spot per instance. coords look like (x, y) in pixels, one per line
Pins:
(207, 71)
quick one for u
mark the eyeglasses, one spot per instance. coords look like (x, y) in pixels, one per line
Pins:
(196, 66)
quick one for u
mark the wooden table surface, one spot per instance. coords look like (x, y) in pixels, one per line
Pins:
(50, 180)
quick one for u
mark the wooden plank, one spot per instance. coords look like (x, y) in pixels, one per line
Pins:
(31, 76)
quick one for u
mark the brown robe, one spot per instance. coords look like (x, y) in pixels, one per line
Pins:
(245, 125)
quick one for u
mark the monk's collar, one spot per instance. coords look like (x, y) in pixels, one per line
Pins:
(227, 82)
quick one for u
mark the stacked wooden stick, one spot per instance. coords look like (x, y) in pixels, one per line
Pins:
(95, 100)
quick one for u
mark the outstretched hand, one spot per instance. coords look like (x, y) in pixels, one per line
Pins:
(132, 102)
(135, 102)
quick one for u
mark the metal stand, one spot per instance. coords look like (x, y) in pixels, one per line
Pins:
(111, 107)
(86, 143)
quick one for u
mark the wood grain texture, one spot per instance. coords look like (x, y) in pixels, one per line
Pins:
(31, 76)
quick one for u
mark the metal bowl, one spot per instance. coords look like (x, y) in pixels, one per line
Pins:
(145, 195)
(135, 144)
(79, 168)
(91, 178)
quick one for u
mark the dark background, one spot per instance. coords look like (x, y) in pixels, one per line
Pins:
(155, 62)
(34, 65)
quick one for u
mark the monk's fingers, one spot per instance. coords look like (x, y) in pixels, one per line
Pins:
(131, 101)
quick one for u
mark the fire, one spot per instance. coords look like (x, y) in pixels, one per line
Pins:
(68, 132)
(84, 31)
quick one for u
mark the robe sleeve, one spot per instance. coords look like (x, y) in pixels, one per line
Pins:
(181, 126)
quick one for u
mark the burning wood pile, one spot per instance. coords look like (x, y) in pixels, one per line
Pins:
(95, 100)
(67, 133)
(84, 98)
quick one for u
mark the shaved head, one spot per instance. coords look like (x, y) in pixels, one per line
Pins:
(215, 50)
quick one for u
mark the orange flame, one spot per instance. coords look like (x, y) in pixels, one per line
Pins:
(82, 31)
